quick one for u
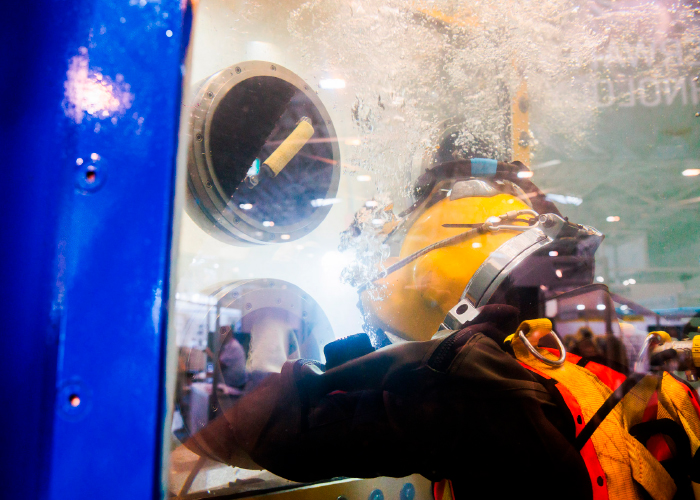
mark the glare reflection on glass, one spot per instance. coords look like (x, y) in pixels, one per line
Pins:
(90, 92)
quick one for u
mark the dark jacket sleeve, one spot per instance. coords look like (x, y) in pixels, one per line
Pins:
(458, 408)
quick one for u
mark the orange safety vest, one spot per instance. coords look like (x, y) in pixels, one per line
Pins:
(615, 460)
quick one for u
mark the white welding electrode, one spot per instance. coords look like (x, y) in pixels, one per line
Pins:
(290, 147)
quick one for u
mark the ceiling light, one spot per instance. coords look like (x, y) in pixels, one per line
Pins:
(599, 279)
(525, 174)
(246, 206)
(600, 307)
(691, 172)
(550, 163)
(332, 83)
(268, 223)
(564, 199)
(580, 307)
(624, 307)
(476, 244)
(323, 202)
(553, 253)
(613, 218)
(632, 281)
(285, 237)
(558, 273)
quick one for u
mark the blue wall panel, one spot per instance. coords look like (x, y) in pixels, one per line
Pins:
(92, 93)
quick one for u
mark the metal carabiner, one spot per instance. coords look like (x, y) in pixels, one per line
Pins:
(539, 356)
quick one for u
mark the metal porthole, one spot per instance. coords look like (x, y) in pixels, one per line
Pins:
(254, 114)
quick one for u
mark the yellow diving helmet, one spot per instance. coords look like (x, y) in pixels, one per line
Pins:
(464, 243)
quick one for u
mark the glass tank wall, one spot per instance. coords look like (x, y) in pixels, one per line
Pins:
(310, 126)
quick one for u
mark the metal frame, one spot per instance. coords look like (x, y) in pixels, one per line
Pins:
(85, 270)
(226, 221)
(500, 263)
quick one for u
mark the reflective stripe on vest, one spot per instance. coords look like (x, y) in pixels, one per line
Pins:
(595, 471)
(623, 459)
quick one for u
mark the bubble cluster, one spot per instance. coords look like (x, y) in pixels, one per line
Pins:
(414, 65)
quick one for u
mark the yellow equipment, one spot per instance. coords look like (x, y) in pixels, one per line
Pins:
(419, 295)
(478, 230)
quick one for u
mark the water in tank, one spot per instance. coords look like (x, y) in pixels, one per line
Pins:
(321, 139)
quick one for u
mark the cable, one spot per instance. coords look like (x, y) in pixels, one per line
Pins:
(453, 240)
(192, 476)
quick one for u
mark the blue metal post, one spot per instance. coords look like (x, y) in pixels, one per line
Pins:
(91, 95)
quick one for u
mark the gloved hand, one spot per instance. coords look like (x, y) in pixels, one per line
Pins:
(458, 407)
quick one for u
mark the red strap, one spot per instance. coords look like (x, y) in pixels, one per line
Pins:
(595, 470)
(599, 483)
(439, 489)
(572, 358)
(658, 447)
(613, 379)
(652, 409)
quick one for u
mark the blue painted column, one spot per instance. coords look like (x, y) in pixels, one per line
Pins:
(91, 96)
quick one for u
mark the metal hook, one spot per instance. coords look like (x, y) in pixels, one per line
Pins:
(536, 353)
(642, 363)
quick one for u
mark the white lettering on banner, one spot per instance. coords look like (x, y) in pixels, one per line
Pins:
(623, 54)
(649, 92)
(630, 101)
(694, 91)
(644, 52)
(672, 49)
(610, 94)
(672, 93)
(644, 85)
(650, 59)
